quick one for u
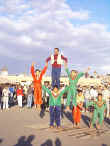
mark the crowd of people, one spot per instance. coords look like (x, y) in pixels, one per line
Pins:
(11, 95)
(54, 97)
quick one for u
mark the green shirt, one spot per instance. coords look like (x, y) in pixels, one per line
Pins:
(54, 101)
(99, 109)
(73, 86)
(73, 83)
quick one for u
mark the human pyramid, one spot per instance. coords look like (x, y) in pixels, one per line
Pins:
(74, 95)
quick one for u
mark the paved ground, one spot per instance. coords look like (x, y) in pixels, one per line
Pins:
(19, 127)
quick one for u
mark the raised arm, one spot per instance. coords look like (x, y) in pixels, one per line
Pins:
(43, 71)
(79, 76)
(82, 73)
(48, 59)
(66, 69)
(32, 71)
(64, 58)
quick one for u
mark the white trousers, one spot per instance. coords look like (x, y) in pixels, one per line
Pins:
(19, 100)
(107, 103)
(5, 102)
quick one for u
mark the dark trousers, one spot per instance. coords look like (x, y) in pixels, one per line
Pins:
(56, 76)
(55, 114)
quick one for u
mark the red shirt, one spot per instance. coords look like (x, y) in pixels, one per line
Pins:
(19, 92)
(55, 62)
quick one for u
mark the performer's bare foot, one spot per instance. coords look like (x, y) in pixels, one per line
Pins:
(58, 127)
(51, 127)
(38, 107)
(98, 126)
(78, 125)
(90, 125)
(74, 125)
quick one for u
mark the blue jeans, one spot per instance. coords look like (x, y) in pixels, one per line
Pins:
(55, 114)
(56, 76)
(29, 100)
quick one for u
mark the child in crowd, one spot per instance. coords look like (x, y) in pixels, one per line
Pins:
(79, 108)
(19, 93)
(55, 105)
(93, 93)
(37, 78)
(5, 94)
(30, 96)
(87, 97)
(0, 97)
(99, 109)
(11, 89)
(106, 97)
(46, 98)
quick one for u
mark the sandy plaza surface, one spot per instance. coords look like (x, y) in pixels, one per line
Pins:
(28, 127)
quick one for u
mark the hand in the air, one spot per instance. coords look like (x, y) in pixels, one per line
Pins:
(87, 70)
(33, 63)
(65, 65)
(46, 64)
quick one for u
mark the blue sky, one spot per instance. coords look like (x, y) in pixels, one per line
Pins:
(99, 9)
(81, 30)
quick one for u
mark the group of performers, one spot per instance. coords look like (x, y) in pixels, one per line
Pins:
(55, 94)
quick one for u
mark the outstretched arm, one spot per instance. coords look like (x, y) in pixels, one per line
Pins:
(48, 59)
(43, 71)
(32, 70)
(66, 69)
(81, 74)
(64, 58)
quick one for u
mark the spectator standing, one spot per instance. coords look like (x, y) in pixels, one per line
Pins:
(0, 97)
(19, 92)
(5, 95)
(30, 96)
(106, 97)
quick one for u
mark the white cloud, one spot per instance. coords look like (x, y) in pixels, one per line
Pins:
(27, 29)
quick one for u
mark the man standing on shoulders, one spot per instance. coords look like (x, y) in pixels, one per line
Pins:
(56, 60)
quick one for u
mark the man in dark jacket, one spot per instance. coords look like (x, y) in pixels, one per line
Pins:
(0, 96)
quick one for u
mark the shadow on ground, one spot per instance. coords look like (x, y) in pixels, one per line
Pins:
(50, 143)
(86, 119)
(1, 140)
(68, 115)
(23, 141)
(107, 120)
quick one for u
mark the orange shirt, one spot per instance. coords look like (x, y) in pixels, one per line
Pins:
(37, 82)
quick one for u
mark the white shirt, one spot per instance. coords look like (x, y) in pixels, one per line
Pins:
(93, 93)
(106, 94)
(6, 92)
(87, 94)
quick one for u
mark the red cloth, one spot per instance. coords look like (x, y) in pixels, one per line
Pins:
(55, 63)
(76, 114)
(19, 92)
(37, 85)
